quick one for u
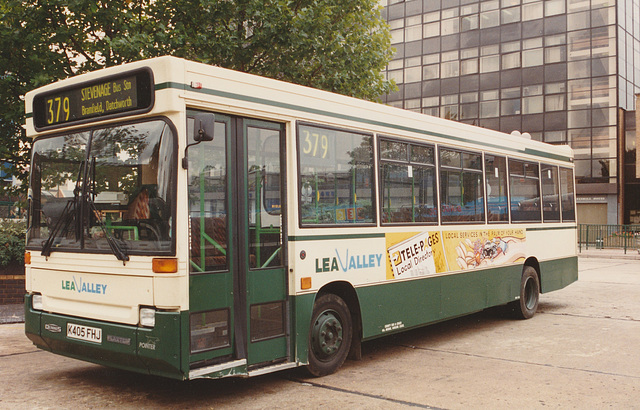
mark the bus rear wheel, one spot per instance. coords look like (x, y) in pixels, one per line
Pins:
(330, 335)
(526, 307)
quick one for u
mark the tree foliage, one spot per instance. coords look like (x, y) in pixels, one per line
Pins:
(336, 45)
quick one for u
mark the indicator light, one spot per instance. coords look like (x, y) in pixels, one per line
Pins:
(164, 265)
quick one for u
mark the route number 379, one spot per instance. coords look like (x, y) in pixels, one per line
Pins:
(58, 109)
(315, 144)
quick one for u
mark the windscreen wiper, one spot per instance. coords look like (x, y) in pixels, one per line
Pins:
(116, 248)
(66, 216)
(69, 212)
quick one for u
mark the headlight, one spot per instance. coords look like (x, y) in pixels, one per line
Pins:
(147, 317)
(36, 302)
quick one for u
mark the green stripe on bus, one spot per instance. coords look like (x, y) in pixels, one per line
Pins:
(334, 237)
(224, 94)
(552, 228)
(303, 238)
(170, 84)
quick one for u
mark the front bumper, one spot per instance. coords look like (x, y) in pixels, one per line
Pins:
(154, 350)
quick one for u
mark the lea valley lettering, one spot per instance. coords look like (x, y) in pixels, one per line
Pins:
(84, 287)
(346, 263)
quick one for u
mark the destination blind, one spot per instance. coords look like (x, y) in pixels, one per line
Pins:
(115, 95)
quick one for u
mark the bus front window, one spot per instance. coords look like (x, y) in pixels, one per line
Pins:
(111, 187)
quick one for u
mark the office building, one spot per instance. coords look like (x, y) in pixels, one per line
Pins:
(565, 71)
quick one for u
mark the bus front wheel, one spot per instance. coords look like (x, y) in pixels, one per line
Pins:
(330, 335)
(526, 307)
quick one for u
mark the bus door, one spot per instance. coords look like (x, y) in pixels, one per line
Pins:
(263, 201)
(238, 287)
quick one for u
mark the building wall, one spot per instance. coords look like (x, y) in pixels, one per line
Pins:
(12, 289)
(592, 213)
(631, 198)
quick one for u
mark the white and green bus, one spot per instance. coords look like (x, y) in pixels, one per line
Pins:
(190, 221)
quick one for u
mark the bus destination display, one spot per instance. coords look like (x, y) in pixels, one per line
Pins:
(115, 95)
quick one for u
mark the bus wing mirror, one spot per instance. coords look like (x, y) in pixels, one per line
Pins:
(203, 127)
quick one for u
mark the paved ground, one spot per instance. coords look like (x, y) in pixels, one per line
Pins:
(630, 254)
(11, 314)
(579, 351)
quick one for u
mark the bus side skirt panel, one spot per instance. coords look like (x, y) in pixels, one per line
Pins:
(558, 273)
(413, 303)
(303, 308)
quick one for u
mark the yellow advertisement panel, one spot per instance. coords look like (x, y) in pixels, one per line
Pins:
(412, 254)
(483, 248)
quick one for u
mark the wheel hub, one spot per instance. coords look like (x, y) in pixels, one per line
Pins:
(327, 334)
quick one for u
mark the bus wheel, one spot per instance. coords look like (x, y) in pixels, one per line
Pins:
(330, 335)
(526, 307)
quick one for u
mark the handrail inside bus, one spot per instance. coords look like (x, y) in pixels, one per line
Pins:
(196, 266)
(268, 261)
(214, 243)
(207, 238)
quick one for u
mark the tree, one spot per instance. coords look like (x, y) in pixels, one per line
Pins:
(26, 62)
(336, 45)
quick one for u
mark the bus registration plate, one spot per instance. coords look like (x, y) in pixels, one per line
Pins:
(86, 333)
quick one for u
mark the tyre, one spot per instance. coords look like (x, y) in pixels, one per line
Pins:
(526, 307)
(329, 335)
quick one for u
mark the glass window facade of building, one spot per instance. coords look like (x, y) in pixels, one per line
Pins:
(558, 69)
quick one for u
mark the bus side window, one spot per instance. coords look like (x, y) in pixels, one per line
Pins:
(336, 176)
(408, 186)
(496, 186)
(524, 182)
(461, 186)
(550, 200)
(567, 195)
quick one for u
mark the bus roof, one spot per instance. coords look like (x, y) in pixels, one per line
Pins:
(265, 96)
